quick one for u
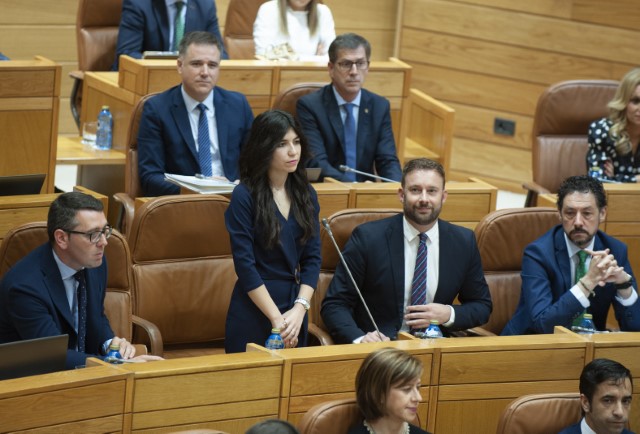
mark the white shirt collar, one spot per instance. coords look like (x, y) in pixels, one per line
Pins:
(573, 249)
(341, 101)
(191, 103)
(585, 428)
(170, 3)
(410, 232)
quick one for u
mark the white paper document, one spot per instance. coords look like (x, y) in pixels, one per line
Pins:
(201, 185)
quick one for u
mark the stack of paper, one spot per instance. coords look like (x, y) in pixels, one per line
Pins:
(201, 185)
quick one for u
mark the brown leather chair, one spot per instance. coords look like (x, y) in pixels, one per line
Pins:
(183, 271)
(342, 224)
(288, 98)
(21, 240)
(502, 236)
(97, 25)
(560, 127)
(238, 28)
(132, 188)
(540, 414)
(333, 417)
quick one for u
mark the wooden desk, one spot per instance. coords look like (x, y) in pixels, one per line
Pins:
(621, 221)
(72, 151)
(18, 210)
(29, 104)
(95, 399)
(229, 392)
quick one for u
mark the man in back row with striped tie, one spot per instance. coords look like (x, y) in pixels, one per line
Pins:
(576, 268)
(195, 127)
(410, 268)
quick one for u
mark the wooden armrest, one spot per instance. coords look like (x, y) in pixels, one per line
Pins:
(78, 75)
(533, 190)
(477, 331)
(153, 332)
(141, 349)
(127, 210)
(321, 335)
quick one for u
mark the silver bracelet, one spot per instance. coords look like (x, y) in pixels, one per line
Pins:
(304, 302)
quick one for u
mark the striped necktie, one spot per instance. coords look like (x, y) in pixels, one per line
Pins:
(350, 141)
(178, 28)
(82, 309)
(204, 142)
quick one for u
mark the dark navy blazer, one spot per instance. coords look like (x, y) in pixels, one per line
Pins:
(320, 119)
(33, 304)
(144, 26)
(166, 144)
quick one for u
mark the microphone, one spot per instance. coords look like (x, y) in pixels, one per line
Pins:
(344, 168)
(325, 223)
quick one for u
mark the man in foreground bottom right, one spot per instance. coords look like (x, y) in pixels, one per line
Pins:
(605, 397)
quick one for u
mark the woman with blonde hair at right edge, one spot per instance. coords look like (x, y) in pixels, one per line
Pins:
(617, 136)
(305, 25)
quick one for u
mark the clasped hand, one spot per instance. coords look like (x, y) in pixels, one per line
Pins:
(420, 316)
(604, 269)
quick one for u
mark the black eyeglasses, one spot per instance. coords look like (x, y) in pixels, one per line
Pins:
(94, 236)
(346, 65)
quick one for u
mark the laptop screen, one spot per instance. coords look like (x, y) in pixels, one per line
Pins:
(21, 184)
(33, 356)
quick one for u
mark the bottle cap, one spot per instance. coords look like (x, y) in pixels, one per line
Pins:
(114, 346)
(588, 316)
(105, 107)
(275, 331)
(433, 321)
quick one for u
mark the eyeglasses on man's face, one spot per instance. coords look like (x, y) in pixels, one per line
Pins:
(94, 236)
(347, 65)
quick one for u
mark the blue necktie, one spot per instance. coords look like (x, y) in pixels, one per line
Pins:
(419, 283)
(204, 143)
(82, 309)
(350, 141)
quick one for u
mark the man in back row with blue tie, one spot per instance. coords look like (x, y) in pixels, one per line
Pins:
(346, 124)
(195, 127)
(159, 25)
(575, 267)
(410, 268)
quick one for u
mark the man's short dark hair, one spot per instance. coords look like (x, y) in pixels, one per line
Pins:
(197, 38)
(348, 41)
(582, 184)
(273, 426)
(422, 164)
(599, 371)
(63, 210)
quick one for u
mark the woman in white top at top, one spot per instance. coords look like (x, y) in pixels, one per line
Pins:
(306, 25)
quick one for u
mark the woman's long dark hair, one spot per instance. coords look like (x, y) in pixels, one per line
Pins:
(267, 131)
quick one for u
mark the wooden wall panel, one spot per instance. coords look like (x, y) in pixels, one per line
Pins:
(493, 58)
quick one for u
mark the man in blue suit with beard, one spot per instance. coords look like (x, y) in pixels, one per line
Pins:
(195, 127)
(346, 124)
(410, 269)
(576, 267)
(150, 25)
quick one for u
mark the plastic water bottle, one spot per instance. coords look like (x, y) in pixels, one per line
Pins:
(433, 331)
(113, 355)
(105, 129)
(586, 326)
(274, 341)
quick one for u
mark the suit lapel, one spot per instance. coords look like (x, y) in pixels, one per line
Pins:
(55, 287)
(162, 17)
(395, 244)
(333, 112)
(562, 258)
(181, 118)
(222, 126)
(364, 119)
(192, 18)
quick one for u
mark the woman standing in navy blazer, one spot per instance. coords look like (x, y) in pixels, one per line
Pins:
(273, 224)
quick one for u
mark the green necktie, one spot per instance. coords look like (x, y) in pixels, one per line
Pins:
(178, 29)
(581, 270)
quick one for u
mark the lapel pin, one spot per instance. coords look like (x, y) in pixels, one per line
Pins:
(366, 110)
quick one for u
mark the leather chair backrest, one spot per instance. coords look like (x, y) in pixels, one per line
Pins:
(342, 224)
(183, 270)
(560, 126)
(21, 240)
(97, 25)
(502, 236)
(540, 414)
(131, 177)
(333, 417)
(238, 28)
(288, 98)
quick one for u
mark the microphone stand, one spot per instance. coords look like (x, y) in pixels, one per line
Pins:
(344, 168)
(325, 223)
